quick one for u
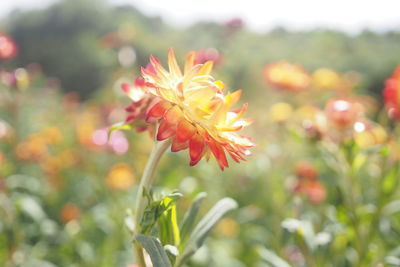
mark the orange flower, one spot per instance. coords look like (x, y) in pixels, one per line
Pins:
(70, 212)
(191, 108)
(287, 76)
(343, 113)
(391, 95)
(121, 177)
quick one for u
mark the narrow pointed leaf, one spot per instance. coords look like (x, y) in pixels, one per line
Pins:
(190, 217)
(155, 250)
(202, 229)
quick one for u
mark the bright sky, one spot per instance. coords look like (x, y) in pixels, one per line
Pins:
(348, 15)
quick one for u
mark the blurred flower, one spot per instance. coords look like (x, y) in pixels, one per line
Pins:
(52, 135)
(8, 48)
(280, 112)
(193, 110)
(325, 78)
(313, 121)
(7, 78)
(22, 78)
(208, 54)
(126, 56)
(51, 165)
(306, 171)
(34, 148)
(117, 141)
(140, 103)
(121, 177)
(391, 95)
(234, 25)
(85, 127)
(69, 157)
(286, 76)
(70, 212)
(313, 190)
(227, 227)
(343, 113)
(368, 133)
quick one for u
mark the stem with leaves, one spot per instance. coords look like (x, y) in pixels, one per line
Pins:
(144, 187)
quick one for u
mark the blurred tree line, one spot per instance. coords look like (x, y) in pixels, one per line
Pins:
(65, 40)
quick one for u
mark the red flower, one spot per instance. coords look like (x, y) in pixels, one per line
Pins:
(8, 48)
(391, 95)
(141, 101)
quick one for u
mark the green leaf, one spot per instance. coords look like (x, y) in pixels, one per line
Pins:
(202, 229)
(168, 225)
(155, 209)
(155, 250)
(271, 259)
(190, 217)
(392, 207)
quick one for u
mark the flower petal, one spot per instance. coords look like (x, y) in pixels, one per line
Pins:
(173, 65)
(158, 110)
(185, 131)
(196, 149)
(219, 154)
(165, 130)
(189, 61)
(178, 146)
(173, 115)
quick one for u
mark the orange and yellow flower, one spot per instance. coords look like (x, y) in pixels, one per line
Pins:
(287, 76)
(192, 109)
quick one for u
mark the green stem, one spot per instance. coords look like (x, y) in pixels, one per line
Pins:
(145, 184)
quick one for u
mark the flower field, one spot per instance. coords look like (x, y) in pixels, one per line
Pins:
(137, 144)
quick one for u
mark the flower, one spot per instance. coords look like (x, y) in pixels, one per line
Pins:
(368, 133)
(121, 177)
(70, 212)
(325, 79)
(193, 111)
(209, 54)
(8, 48)
(280, 112)
(313, 190)
(286, 76)
(313, 121)
(391, 95)
(343, 113)
(140, 103)
(306, 170)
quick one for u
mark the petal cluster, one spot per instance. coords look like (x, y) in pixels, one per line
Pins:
(192, 109)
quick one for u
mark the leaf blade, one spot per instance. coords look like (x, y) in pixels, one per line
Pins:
(154, 249)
